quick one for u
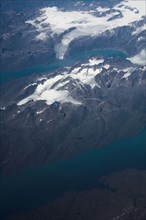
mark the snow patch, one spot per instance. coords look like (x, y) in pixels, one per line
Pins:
(42, 36)
(138, 30)
(140, 58)
(39, 112)
(128, 72)
(100, 9)
(93, 62)
(87, 76)
(33, 84)
(2, 108)
(106, 66)
(49, 91)
(142, 38)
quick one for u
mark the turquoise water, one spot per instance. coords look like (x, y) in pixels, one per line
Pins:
(40, 185)
(7, 76)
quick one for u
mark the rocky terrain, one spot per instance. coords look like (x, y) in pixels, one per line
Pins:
(50, 116)
(71, 110)
(124, 200)
(61, 113)
(18, 44)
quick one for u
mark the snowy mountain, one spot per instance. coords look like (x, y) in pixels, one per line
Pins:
(63, 86)
(79, 106)
(73, 79)
(59, 114)
(70, 25)
(55, 30)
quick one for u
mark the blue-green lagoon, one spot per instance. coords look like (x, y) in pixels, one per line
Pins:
(7, 76)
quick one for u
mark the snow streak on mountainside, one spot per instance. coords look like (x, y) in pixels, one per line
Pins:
(56, 88)
(75, 24)
(81, 77)
(74, 108)
(82, 105)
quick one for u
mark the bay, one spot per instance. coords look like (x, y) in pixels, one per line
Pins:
(40, 185)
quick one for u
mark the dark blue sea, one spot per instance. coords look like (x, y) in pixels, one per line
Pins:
(37, 186)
